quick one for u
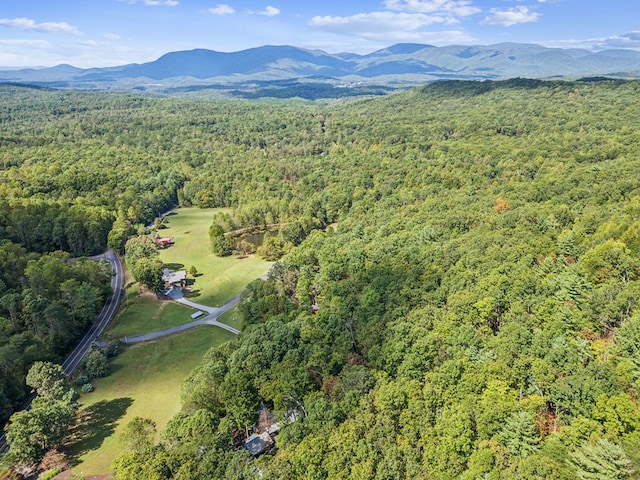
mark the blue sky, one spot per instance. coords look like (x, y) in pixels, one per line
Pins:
(87, 33)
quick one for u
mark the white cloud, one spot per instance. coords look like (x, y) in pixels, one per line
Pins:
(380, 29)
(512, 16)
(629, 40)
(625, 40)
(86, 54)
(267, 12)
(456, 8)
(270, 11)
(376, 22)
(47, 27)
(221, 9)
(25, 43)
(112, 36)
(404, 21)
(153, 3)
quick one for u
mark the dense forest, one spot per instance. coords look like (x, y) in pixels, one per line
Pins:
(473, 250)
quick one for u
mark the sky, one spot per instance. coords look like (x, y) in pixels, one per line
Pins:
(100, 33)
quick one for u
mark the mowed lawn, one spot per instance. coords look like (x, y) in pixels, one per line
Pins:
(145, 313)
(219, 279)
(145, 381)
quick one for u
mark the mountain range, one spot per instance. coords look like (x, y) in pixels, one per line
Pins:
(283, 68)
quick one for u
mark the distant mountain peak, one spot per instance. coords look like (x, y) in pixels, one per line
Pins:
(402, 49)
(399, 64)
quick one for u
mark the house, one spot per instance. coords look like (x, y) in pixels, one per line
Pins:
(174, 279)
(258, 443)
(164, 242)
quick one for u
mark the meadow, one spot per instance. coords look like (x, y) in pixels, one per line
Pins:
(218, 278)
(146, 379)
(143, 312)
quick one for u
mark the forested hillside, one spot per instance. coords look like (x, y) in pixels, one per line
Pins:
(473, 250)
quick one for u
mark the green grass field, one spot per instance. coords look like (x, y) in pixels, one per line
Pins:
(145, 313)
(218, 278)
(217, 281)
(231, 318)
(145, 381)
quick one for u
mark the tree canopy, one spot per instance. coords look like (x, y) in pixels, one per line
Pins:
(456, 294)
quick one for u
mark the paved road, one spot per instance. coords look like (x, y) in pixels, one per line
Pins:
(109, 309)
(210, 319)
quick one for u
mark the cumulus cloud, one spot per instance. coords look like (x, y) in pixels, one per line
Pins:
(267, 12)
(221, 9)
(153, 3)
(375, 22)
(112, 36)
(456, 8)
(512, 16)
(389, 27)
(48, 27)
(624, 40)
(628, 40)
(404, 21)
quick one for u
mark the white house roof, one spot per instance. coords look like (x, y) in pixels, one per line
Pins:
(173, 277)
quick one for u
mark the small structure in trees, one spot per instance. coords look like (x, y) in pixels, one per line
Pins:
(262, 440)
(258, 443)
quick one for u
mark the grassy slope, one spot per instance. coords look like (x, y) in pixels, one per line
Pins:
(146, 379)
(218, 279)
(146, 382)
(144, 313)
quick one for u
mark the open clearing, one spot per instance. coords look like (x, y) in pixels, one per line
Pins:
(218, 279)
(145, 381)
(144, 313)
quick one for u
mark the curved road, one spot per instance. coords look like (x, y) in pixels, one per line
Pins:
(211, 319)
(109, 309)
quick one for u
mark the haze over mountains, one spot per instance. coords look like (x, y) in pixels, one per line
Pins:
(284, 67)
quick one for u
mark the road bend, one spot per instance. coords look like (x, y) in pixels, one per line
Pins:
(107, 313)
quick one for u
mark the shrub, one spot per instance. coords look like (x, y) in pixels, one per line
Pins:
(112, 348)
(87, 387)
(50, 474)
(96, 364)
(81, 380)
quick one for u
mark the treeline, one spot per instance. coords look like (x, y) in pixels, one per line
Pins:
(47, 303)
(46, 226)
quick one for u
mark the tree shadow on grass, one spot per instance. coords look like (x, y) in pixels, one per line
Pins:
(174, 266)
(114, 367)
(95, 424)
(191, 293)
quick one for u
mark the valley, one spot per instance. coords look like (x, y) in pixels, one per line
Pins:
(451, 291)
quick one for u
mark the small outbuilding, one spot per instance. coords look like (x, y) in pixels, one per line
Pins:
(164, 242)
(258, 443)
